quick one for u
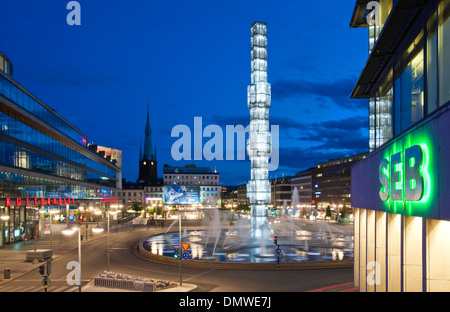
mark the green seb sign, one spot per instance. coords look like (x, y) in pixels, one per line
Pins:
(401, 176)
(405, 178)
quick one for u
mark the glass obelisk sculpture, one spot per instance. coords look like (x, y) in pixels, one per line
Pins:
(259, 144)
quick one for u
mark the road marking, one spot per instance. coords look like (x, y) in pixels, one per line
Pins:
(200, 274)
(331, 287)
(348, 290)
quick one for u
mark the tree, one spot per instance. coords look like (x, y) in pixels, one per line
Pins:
(244, 207)
(344, 213)
(328, 212)
(137, 206)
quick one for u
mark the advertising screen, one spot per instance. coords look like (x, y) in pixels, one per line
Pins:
(181, 195)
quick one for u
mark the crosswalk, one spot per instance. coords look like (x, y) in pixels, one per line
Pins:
(36, 286)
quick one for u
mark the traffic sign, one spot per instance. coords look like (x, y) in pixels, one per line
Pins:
(185, 246)
(186, 255)
(46, 281)
(278, 250)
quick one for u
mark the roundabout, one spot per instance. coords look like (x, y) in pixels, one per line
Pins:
(299, 245)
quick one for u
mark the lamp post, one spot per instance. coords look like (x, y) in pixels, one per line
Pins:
(108, 252)
(69, 230)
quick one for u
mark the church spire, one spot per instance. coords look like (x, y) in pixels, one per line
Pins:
(148, 150)
(148, 172)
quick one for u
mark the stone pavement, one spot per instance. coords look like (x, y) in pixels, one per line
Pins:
(13, 256)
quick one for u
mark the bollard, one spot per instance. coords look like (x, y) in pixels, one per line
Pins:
(7, 274)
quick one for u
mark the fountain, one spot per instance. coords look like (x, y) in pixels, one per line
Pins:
(300, 240)
(251, 240)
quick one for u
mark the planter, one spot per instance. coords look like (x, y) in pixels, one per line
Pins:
(132, 283)
(40, 254)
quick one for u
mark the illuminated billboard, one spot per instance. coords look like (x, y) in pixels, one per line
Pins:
(181, 195)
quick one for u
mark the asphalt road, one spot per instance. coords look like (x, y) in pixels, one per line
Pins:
(123, 259)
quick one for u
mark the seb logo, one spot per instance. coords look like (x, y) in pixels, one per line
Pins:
(401, 177)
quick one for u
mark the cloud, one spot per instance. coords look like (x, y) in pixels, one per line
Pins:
(303, 145)
(338, 91)
(347, 135)
(301, 158)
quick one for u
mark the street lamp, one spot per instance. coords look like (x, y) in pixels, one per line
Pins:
(109, 213)
(69, 230)
(97, 229)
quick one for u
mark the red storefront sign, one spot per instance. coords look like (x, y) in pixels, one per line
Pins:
(39, 201)
(109, 200)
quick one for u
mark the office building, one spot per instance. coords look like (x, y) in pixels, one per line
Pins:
(46, 168)
(200, 186)
(400, 190)
(281, 194)
(331, 184)
(301, 188)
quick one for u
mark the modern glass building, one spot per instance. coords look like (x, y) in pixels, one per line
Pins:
(400, 190)
(45, 164)
(331, 182)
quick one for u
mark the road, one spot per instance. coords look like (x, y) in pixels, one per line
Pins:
(123, 259)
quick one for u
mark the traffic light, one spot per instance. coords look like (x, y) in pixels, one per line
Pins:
(49, 267)
(175, 254)
(42, 269)
(275, 240)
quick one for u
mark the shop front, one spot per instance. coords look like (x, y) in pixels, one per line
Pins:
(26, 218)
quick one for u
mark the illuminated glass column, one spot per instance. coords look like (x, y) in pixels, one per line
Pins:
(259, 143)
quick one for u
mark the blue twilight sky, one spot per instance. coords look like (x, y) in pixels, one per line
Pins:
(192, 59)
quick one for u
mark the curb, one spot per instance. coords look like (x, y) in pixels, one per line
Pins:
(139, 251)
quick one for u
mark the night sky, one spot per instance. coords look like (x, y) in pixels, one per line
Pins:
(192, 59)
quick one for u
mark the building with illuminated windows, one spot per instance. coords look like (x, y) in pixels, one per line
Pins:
(280, 195)
(192, 185)
(330, 184)
(400, 190)
(46, 167)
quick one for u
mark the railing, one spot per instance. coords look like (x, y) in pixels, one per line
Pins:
(124, 284)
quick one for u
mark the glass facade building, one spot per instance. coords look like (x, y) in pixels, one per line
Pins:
(400, 190)
(42, 156)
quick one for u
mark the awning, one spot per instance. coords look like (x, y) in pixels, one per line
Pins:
(399, 21)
